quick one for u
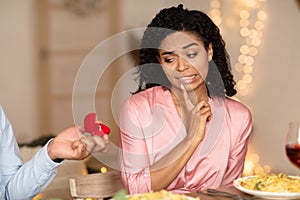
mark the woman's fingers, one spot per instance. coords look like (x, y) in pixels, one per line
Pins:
(201, 114)
(188, 103)
(196, 115)
(95, 143)
(106, 139)
(89, 143)
(99, 142)
(203, 108)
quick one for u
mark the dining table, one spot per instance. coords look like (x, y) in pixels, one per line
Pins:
(228, 189)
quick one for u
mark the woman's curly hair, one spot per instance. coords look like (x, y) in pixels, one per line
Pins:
(219, 80)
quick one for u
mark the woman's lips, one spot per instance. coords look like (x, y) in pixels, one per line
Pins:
(187, 79)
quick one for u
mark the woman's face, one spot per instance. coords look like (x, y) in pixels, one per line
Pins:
(185, 60)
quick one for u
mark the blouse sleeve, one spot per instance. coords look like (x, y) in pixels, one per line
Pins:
(134, 152)
(239, 145)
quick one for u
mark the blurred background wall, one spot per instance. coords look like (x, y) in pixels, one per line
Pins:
(45, 43)
(18, 64)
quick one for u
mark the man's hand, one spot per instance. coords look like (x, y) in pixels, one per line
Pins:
(72, 144)
(68, 145)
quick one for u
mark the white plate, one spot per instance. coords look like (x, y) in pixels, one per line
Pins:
(266, 195)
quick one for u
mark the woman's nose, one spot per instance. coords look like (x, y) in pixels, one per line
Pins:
(182, 64)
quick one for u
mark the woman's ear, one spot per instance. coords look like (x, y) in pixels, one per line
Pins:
(210, 52)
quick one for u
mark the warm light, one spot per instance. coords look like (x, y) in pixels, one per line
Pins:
(255, 42)
(215, 12)
(249, 60)
(253, 51)
(38, 197)
(215, 4)
(248, 41)
(248, 168)
(103, 170)
(247, 78)
(244, 23)
(252, 165)
(238, 67)
(261, 15)
(258, 169)
(267, 169)
(254, 157)
(245, 49)
(230, 22)
(241, 84)
(251, 17)
(259, 34)
(244, 14)
(247, 69)
(244, 32)
(259, 25)
(243, 92)
(242, 59)
(217, 20)
(251, 3)
(253, 33)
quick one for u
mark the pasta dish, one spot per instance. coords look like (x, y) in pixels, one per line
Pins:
(272, 183)
(161, 195)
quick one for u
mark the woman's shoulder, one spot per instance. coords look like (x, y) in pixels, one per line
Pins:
(236, 108)
(234, 103)
(148, 98)
(156, 94)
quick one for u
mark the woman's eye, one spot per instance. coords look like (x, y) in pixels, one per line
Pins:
(169, 60)
(192, 55)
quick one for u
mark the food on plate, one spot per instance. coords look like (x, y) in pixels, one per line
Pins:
(160, 195)
(272, 183)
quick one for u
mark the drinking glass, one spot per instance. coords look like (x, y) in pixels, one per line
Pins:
(292, 143)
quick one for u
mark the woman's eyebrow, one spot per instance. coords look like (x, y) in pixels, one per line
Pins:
(184, 47)
(167, 52)
(191, 44)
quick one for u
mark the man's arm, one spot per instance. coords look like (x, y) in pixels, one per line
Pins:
(18, 181)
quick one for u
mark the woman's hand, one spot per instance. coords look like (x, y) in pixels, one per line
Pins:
(94, 143)
(195, 117)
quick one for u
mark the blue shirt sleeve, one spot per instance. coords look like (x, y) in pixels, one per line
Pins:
(18, 180)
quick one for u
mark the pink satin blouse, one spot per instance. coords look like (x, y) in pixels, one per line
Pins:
(150, 127)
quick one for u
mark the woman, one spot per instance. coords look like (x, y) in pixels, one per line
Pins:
(180, 131)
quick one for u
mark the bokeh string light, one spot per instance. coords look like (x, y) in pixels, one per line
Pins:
(252, 165)
(251, 16)
(251, 23)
